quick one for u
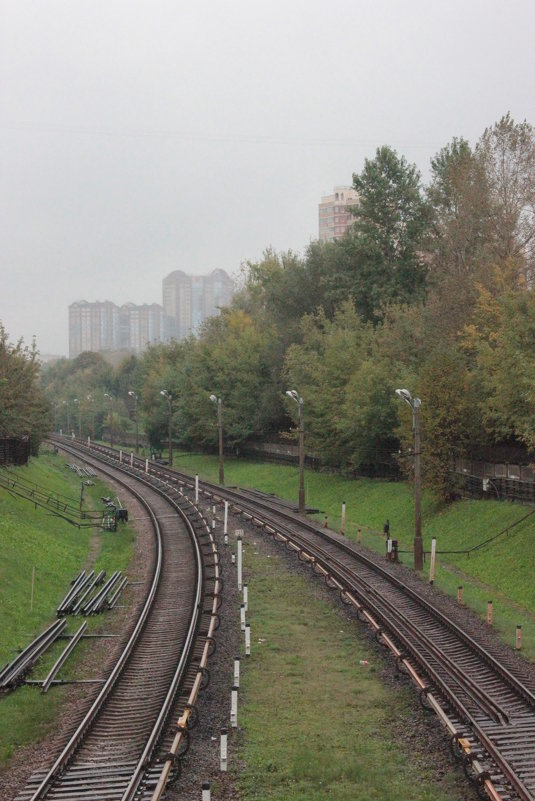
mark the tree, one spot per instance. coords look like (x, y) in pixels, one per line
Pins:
(23, 410)
(507, 152)
(382, 256)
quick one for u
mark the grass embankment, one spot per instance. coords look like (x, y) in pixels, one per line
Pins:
(502, 571)
(316, 723)
(33, 538)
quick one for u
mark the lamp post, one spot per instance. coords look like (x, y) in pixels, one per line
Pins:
(415, 404)
(292, 393)
(134, 396)
(77, 402)
(90, 400)
(110, 398)
(169, 398)
(68, 405)
(219, 404)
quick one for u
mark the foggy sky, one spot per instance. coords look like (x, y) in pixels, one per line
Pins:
(141, 137)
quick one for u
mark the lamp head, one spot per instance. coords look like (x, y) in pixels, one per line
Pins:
(414, 403)
(132, 394)
(213, 398)
(292, 393)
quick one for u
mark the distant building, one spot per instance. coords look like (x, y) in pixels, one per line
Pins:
(141, 326)
(334, 213)
(188, 300)
(93, 326)
(103, 327)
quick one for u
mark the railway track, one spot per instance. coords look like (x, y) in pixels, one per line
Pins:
(115, 752)
(487, 709)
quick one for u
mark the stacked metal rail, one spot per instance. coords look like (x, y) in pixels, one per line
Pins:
(14, 672)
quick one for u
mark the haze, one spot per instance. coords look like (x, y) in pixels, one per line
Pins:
(138, 138)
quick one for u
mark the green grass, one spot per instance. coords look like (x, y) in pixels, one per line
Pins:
(31, 538)
(320, 726)
(502, 571)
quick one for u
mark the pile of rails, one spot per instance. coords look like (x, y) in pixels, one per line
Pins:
(14, 672)
(91, 594)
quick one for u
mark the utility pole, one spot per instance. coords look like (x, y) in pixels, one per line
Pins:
(219, 405)
(292, 393)
(415, 404)
(134, 396)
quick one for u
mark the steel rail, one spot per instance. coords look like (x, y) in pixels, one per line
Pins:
(96, 706)
(249, 509)
(145, 760)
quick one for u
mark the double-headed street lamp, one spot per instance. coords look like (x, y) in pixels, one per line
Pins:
(110, 398)
(218, 403)
(292, 393)
(169, 398)
(134, 396)
(415, 404)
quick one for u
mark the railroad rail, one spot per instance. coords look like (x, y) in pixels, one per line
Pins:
(487, 709)
(115, 752)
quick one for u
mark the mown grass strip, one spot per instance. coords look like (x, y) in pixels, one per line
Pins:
(503, 571)
(315, 722)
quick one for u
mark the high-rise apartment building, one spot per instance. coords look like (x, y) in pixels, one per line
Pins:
(93, 326)
(188, 300)
(100, 327)
(334, 213)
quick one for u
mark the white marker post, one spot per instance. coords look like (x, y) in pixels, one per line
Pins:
(236, 671)
(196, 488)
(246, 597)
(343, 523)
(146, 465)
(242, 617)
(89, 442)
(240, 562)
(247, 640)
(132, 459)
(206, 795)
(234, 708)
(225, 521)
(433, 557)
(224, 749)
(120, 457)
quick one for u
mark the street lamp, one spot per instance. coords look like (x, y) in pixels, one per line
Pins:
(134, 396)
(415, 404)
(90, 399)
(110, 398)
(169, 399)
(218, 403)
(68, 405)
(292, 393)
(77, 402)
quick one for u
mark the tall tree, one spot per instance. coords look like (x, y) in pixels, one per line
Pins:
(384, 252)
(507, 152)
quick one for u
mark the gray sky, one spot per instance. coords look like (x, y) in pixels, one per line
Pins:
(141, 137)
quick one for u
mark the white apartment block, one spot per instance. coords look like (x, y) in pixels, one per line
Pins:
(334, 213)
